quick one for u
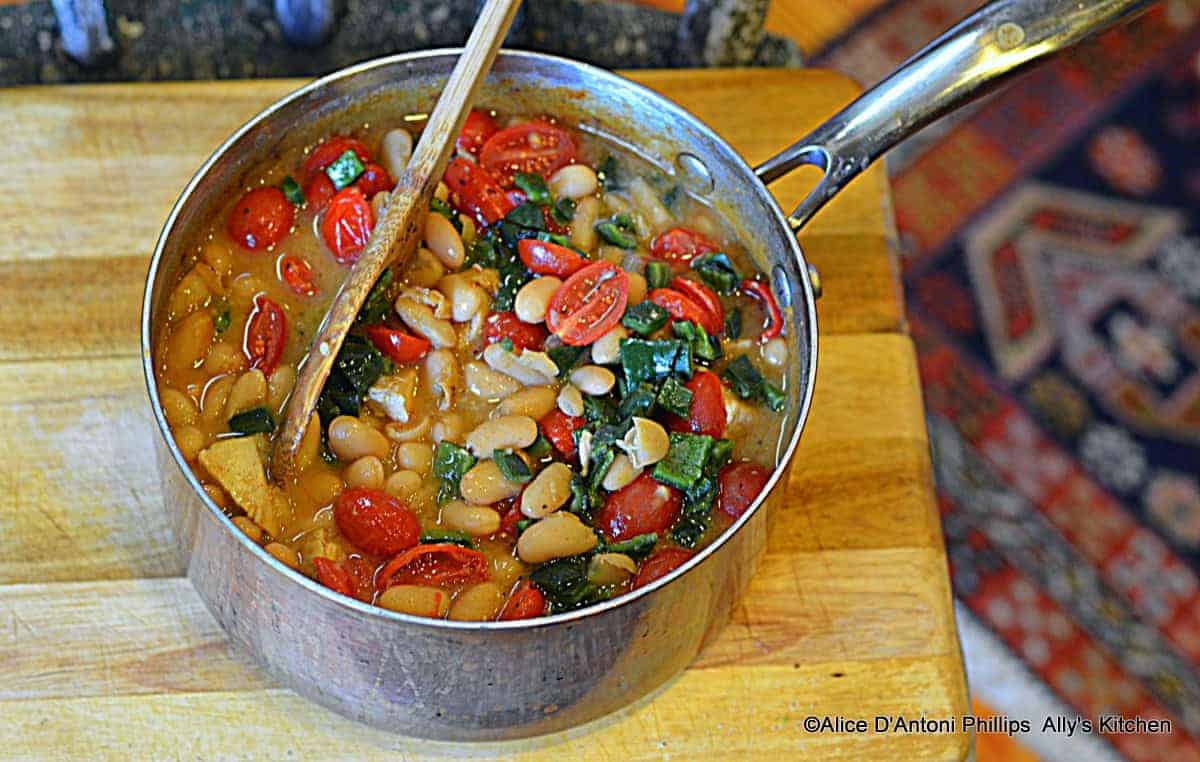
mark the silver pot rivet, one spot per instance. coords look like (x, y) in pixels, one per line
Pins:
(814, 279)
(779, 284)
(694, 174)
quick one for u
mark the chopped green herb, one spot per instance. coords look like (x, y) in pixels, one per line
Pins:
(718, 272)
(675, 398)
(563, 210)
(447, 211)
(522, 525)
(637, 546)
(699, 498)
(658, 275)
(733, 324)
(447, 536)
(638, 402)
(602, 459)
(358, 365)
(450, 463)
(498, 250)
(598, 411)
(644, 318)
(344, 170)
(221, 321)
(507, 343)
(559, 239)
(722, 453)
(773, 396)
(703, 346)
(291, 189)
(528, 216)
(534, 186)
(256, 420)
(584, 499)
(609, 173)
(685, 459)
(644, 360)
(511, 466)
(565, 357)
(619, 231)
(539, 449)
(378, 303)
(747, 382)
(565, 584)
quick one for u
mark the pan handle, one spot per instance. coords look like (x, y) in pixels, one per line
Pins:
(967, 61)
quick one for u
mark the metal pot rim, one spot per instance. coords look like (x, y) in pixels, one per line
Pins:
(314, 587)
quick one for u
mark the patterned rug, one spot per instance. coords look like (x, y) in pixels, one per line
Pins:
(1052, 266)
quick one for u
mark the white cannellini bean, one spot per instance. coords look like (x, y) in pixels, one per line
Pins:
(448, 427)
(558, 535)
(420, 318)
(484, 484)
(442, 192)
(607, 349)
(583, 231)
(444, 241)
(548, 492)
(367, 471)
(775, 352)
(418, 600)
(475, 520)
(649, 205)
(351, 439)
(442, 376)
(489, 384)
(570, 400)
(531, 368)
(620, 474)
(637, 288)
(397, 150)
(610, 568)
(534, 401)
(646, 443)
(533, 299)
(477, 603)
(424, 269)
(573, 181)
(467, 299)
(402, 483)
(513, 432)
(593, 380)
(379, 203)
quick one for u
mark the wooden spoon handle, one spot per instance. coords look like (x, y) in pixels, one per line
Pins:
(399, 231)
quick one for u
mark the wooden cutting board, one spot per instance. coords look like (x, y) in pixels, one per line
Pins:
(105, 651)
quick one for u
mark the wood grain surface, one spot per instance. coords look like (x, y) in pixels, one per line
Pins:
(106, 652)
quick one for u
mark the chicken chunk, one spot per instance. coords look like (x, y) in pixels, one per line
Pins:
(238, 468)
(396, 394)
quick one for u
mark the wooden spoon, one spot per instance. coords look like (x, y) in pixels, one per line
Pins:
(399, 231)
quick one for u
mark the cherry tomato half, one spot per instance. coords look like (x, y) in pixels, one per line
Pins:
(346, 225)
(295, 272)
(333, 576)
(681, 307)
(559, 428)
(526, 602)
(642, 506)
(435, 564)
(707, 413)
(266, 335)
(475, 132)
(473, 191)
(398, 346)
(261, 218)
(536, 147)
(546, 258)
(660, 563)
(738, 485)
(681, 245)
(318, 190)
(588, 304)
(327, 151)
(506, 325)
(374, 179)
(375, 521)
(707, 299)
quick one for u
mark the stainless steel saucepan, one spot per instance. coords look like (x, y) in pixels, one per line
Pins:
(495, 680)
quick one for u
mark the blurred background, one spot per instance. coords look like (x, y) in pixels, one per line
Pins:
(1051, 258)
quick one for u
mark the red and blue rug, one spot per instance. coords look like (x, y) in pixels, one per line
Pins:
(1051, 259)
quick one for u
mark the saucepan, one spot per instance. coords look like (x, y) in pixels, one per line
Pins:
(495, 680)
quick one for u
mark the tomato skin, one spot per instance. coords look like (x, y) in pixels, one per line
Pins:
(509, 519)
(509, 151)
(374, 179)
(680, 307)
(473, 191)
(266, 335)
(346, 225)
(707, 413)
(476, 130)
(708, 301)
(334, 577)
(588, 304)
(260, 219)
(435, 564)
(640, 507)
(297, 274)
(327, 151)
(526, 602)
(506, 325)
(680, 245)
(659, 564)
(318, 190)
(546, 258)
(375, 521)
(739, 484)
(756, 289)
(398, 346)
(559, 428)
